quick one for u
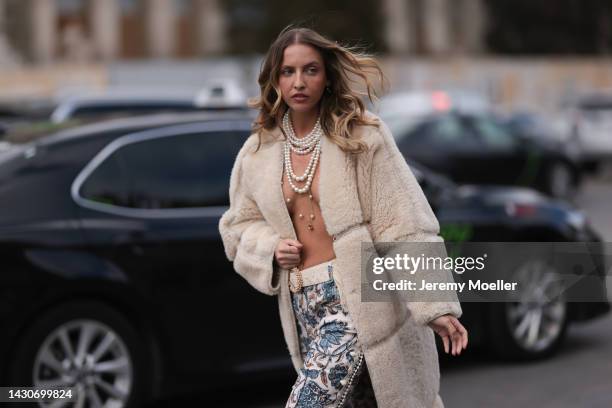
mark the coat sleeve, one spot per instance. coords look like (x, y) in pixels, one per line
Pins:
(400, 212)
(249, 241)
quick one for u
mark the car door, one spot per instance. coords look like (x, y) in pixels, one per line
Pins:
(161, 227)
(445, 145)
(502, 159)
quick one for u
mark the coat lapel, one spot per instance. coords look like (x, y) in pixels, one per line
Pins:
(340, 206)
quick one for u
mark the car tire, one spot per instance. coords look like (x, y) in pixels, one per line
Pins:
(89, 346)
(561, 181)
(533, 328)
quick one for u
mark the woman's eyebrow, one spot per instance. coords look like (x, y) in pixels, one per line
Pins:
(305, 65)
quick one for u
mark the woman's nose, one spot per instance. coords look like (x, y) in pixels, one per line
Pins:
(299, 83)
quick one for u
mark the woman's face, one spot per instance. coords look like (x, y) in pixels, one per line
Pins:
(302, 77)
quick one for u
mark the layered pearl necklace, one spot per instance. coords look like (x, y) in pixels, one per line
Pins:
(308, 144)
(305, 145)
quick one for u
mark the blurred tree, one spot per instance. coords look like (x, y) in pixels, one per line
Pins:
(254, 24)
(549, 27)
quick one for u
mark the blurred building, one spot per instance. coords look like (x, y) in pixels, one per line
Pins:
(435, 27)
(48, 46)
(46, 31)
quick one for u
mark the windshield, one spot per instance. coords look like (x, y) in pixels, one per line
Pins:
(400, 125)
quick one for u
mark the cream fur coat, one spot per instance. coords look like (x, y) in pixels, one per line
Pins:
(370, 197)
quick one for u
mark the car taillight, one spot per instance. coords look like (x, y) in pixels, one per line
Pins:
(440, 101)
(520, 210)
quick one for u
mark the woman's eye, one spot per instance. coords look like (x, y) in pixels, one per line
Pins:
(286, 72)
(312, 70)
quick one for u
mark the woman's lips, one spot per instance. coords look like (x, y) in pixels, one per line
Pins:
(299, 98)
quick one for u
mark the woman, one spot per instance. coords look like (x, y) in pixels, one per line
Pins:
(319, 176)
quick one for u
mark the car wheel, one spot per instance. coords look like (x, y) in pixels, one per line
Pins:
(560, 180)
(535, 325)
(89, 347)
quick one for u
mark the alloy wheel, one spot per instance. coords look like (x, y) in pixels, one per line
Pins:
(536, 320)
(89, 356)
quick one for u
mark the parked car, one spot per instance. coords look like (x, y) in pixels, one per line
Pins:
(591, 123)
(490, 213)
(553, 129)
(115, 280)
(123, 271)
(21, 112)
(21, 120)
(401, 110)
(479, 148)
(217, 96)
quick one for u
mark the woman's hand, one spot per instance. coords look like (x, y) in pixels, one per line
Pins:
(448, 327)
(287, 253)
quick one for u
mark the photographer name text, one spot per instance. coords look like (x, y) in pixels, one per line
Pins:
(409, 285)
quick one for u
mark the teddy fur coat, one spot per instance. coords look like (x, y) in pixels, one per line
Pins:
(370, 197)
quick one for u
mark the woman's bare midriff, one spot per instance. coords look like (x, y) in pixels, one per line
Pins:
(317, 245)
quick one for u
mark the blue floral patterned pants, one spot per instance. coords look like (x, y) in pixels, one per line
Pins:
(334, 372)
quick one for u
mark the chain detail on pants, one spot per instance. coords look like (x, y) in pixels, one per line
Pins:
(334, 373)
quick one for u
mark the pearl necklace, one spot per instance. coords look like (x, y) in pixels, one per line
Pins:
(305, 145)
(310, 143)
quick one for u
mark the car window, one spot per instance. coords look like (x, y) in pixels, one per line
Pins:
(492, 134)
(108, 184)
(401, 126)
(444, 132)
(547, 126)
(183, 171)
(597, 113)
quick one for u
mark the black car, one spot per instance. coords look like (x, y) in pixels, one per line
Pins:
(20, 116)
(122, 104)
(128, 264)
(491, 213)
(115, 279)
(552, 129)
(480, 148)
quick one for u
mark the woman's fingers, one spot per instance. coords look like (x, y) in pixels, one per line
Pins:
(291, 257)
(456, 331)
(289, 250)
(290, 260)
(287, 253)
(450, 331)
(295, 243)
(464, 338)
(445, 342)
(459, 341)
(462, 332)
(454, 335)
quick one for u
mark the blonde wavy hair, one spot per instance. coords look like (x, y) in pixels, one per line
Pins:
(341, 109)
